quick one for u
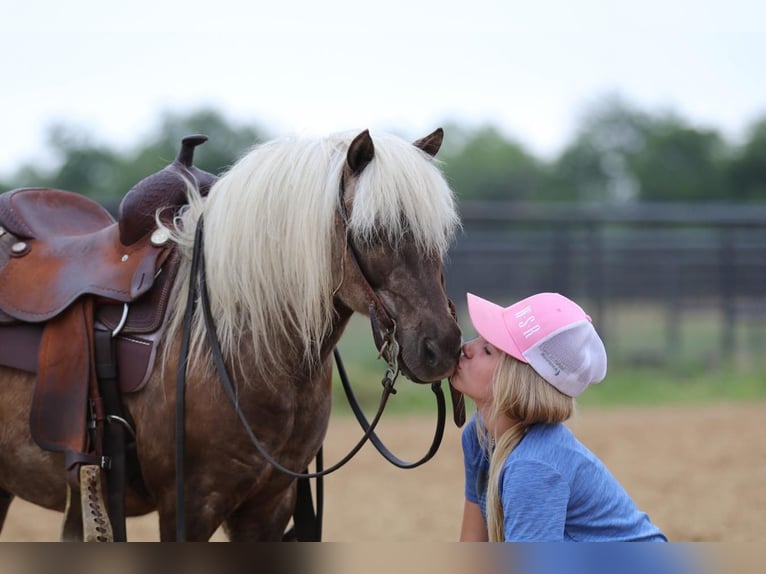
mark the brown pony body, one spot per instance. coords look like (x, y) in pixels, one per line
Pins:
(283, 373)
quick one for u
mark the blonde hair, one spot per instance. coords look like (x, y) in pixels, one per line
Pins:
(523, 396)
(269, 232)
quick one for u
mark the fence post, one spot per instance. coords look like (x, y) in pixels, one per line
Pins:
(560, 274)
(596, 277)
(727, 270)
(672, 272)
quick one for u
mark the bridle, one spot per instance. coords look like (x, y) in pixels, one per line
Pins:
(388, 348)
(381, 320)
(384, 335)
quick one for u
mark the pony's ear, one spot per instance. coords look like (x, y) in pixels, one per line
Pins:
(360, 152)
(432, 142)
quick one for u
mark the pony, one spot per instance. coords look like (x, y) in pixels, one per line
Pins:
(299, 233)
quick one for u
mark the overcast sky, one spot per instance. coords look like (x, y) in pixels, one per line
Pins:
(408, 66)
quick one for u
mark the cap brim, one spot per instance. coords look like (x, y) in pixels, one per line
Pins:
(487, 319)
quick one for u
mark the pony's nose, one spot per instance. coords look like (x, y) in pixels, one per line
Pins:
(436, 353)
(430, 352)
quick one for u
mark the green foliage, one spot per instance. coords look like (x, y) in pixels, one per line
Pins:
(619, 153)
(747, 171)
(488, 166)
(83, 165)
(622, 153)
(595, 166)
(226, 142)
(652, 386)
(680, 163)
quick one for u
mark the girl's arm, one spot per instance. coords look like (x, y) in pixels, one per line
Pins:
(473, 529)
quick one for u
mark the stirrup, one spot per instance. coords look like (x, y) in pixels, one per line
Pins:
(95, 520)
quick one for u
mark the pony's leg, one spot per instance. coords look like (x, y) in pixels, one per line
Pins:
(202, 517)
(259, 521)
(5, 501)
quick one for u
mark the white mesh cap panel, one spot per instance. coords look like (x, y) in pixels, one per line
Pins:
(570, 359)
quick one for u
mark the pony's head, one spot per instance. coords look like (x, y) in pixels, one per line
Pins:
(301, 229)
(398, 216)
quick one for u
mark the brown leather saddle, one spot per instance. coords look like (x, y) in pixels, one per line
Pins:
(68, 270)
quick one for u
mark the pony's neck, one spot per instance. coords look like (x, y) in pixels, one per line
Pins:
(295, 365)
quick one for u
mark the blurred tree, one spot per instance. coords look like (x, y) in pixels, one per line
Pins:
(680, 163)
(226, 141)
(595, 166)
(747, 170)
(225, 144)
(622, 154)
(96, 170)
(619, 153)
(86, 167)
(482, 164)
(83, 165)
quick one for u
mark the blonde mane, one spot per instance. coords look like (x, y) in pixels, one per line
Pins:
(269, 231)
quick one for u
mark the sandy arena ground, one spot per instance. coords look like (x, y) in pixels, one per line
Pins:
(697, 470)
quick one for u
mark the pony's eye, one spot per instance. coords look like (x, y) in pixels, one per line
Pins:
(486, 350)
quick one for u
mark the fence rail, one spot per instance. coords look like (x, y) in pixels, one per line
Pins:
(676, 259)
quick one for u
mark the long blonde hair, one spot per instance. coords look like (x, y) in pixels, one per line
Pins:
(524, 397)
(270, 227)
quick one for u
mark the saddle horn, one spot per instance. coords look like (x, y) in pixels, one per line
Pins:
(164, 189)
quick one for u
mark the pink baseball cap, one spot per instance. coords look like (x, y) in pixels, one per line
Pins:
(549, 332)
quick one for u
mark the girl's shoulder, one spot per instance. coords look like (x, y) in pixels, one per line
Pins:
(545, 442)
(557, 433)
(556, 446)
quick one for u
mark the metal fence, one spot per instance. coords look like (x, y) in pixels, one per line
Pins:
(673, 267)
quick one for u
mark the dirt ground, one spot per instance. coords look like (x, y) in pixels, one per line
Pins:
(698, 471)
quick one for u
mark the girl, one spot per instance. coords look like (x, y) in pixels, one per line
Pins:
(527, 477)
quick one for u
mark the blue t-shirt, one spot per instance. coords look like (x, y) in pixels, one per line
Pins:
(554, 489)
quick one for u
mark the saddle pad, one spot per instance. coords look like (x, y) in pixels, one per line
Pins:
(20, 349)
(53, 272)
(19, 345)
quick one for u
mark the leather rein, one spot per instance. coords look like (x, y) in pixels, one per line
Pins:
(385, 342)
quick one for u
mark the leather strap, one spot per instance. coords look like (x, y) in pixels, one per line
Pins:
(114, 433)
(378, 312)
(198, 285)
(382, 449)
(307, 521)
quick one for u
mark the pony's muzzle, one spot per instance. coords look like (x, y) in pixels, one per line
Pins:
(430, 352)
(439, 355)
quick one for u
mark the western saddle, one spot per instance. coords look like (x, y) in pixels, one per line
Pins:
(82, 304)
